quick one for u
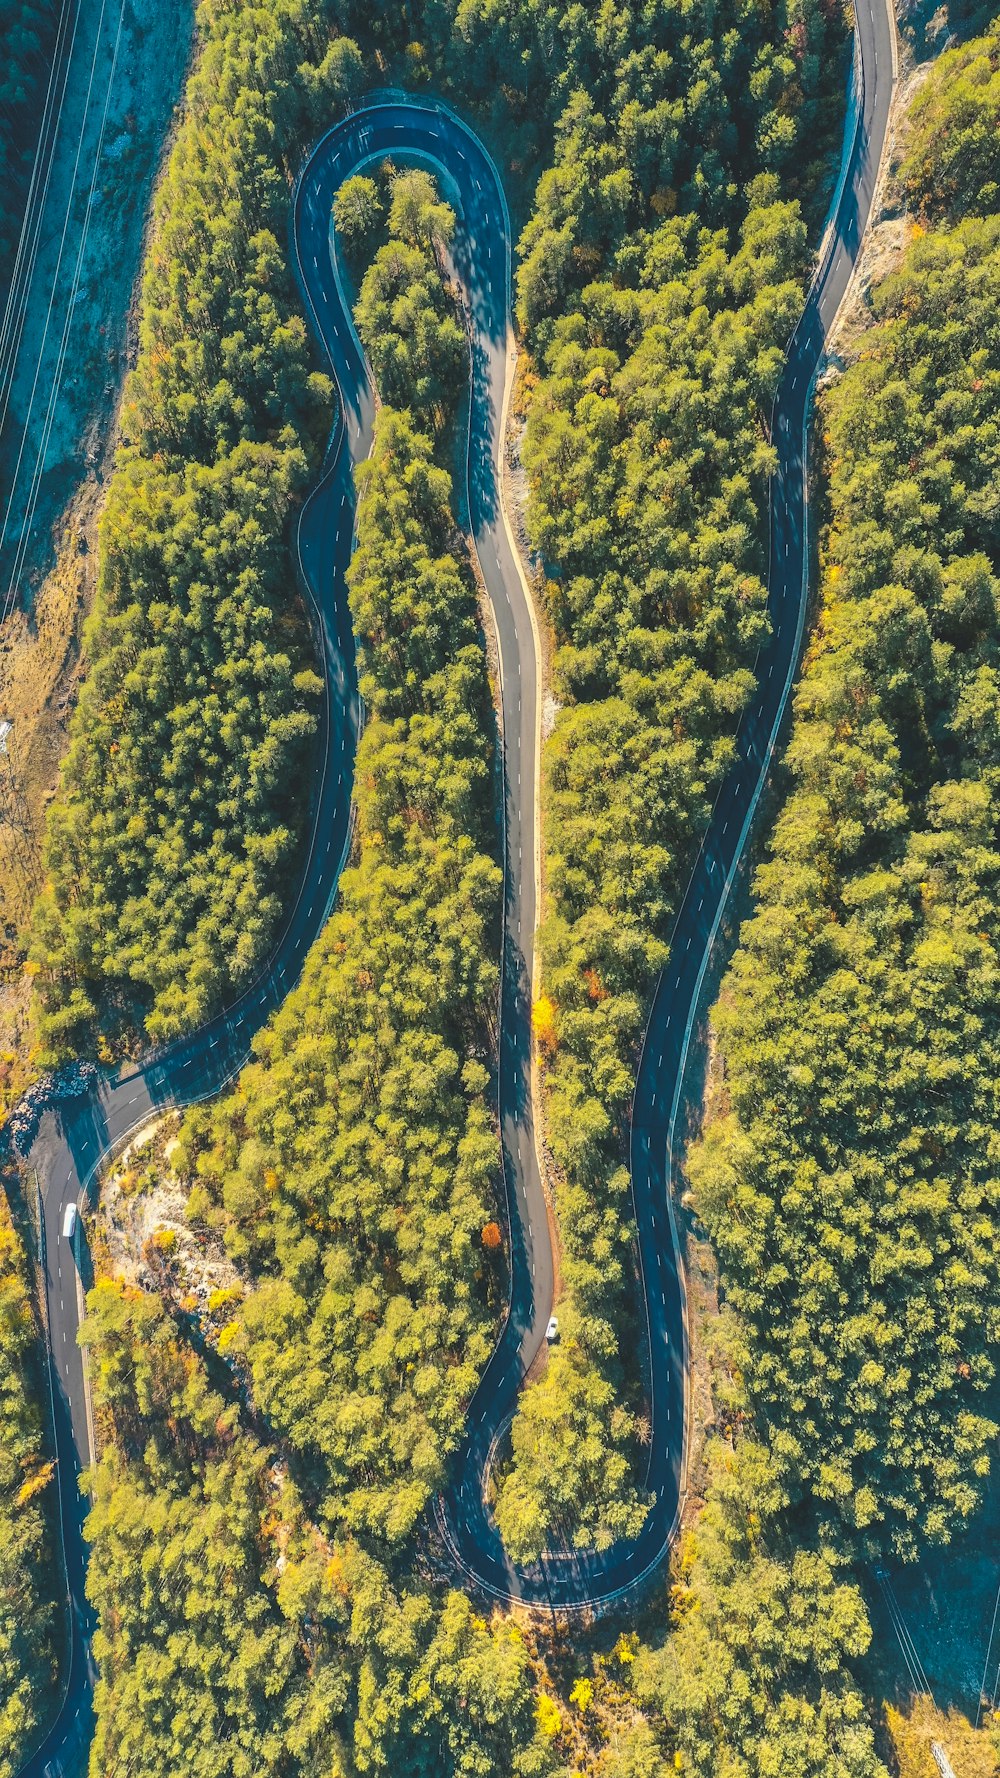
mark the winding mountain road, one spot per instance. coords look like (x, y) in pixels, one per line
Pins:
(663, 1082)
(75, 1136)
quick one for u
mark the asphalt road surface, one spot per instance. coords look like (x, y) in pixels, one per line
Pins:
(665, 1077)
(77, 1135)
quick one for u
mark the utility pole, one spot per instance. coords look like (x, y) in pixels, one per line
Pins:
(942, 1761)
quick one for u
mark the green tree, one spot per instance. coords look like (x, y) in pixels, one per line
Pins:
(417, 215)
(416, 348)
(333, 84)
(357, 212)
(952, 163)
(754, 1676)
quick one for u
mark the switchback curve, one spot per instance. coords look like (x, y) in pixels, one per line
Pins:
(75, 1137)
(667, 1073)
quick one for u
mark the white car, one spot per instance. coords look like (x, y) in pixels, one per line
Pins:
(69, 1222)
(552, 1331)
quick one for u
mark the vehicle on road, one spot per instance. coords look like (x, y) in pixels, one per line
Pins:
(69, 1222)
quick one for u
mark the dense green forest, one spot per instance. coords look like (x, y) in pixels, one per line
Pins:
(352, 1171)
(236, 1641)
(754, 1676)
(647, 462)
(850, 1184)
(682, 102)
(855, 1177)
(27, 1617)
(340, 1663)
(661, 272)
(952, 164)
(170, 845)
(355, 1167)
(172, 842)
(850, 1179)
(352, 1175)
(27, 33)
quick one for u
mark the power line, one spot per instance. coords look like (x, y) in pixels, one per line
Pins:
(73, 194)
(39, 470)
(34, 207)
(914, 1665)
(989, 1650)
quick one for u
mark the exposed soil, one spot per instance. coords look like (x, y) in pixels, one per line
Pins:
(142, 1234)
(701, 1282)
(890, 227)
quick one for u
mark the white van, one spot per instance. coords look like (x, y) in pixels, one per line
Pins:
(69, 1222)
